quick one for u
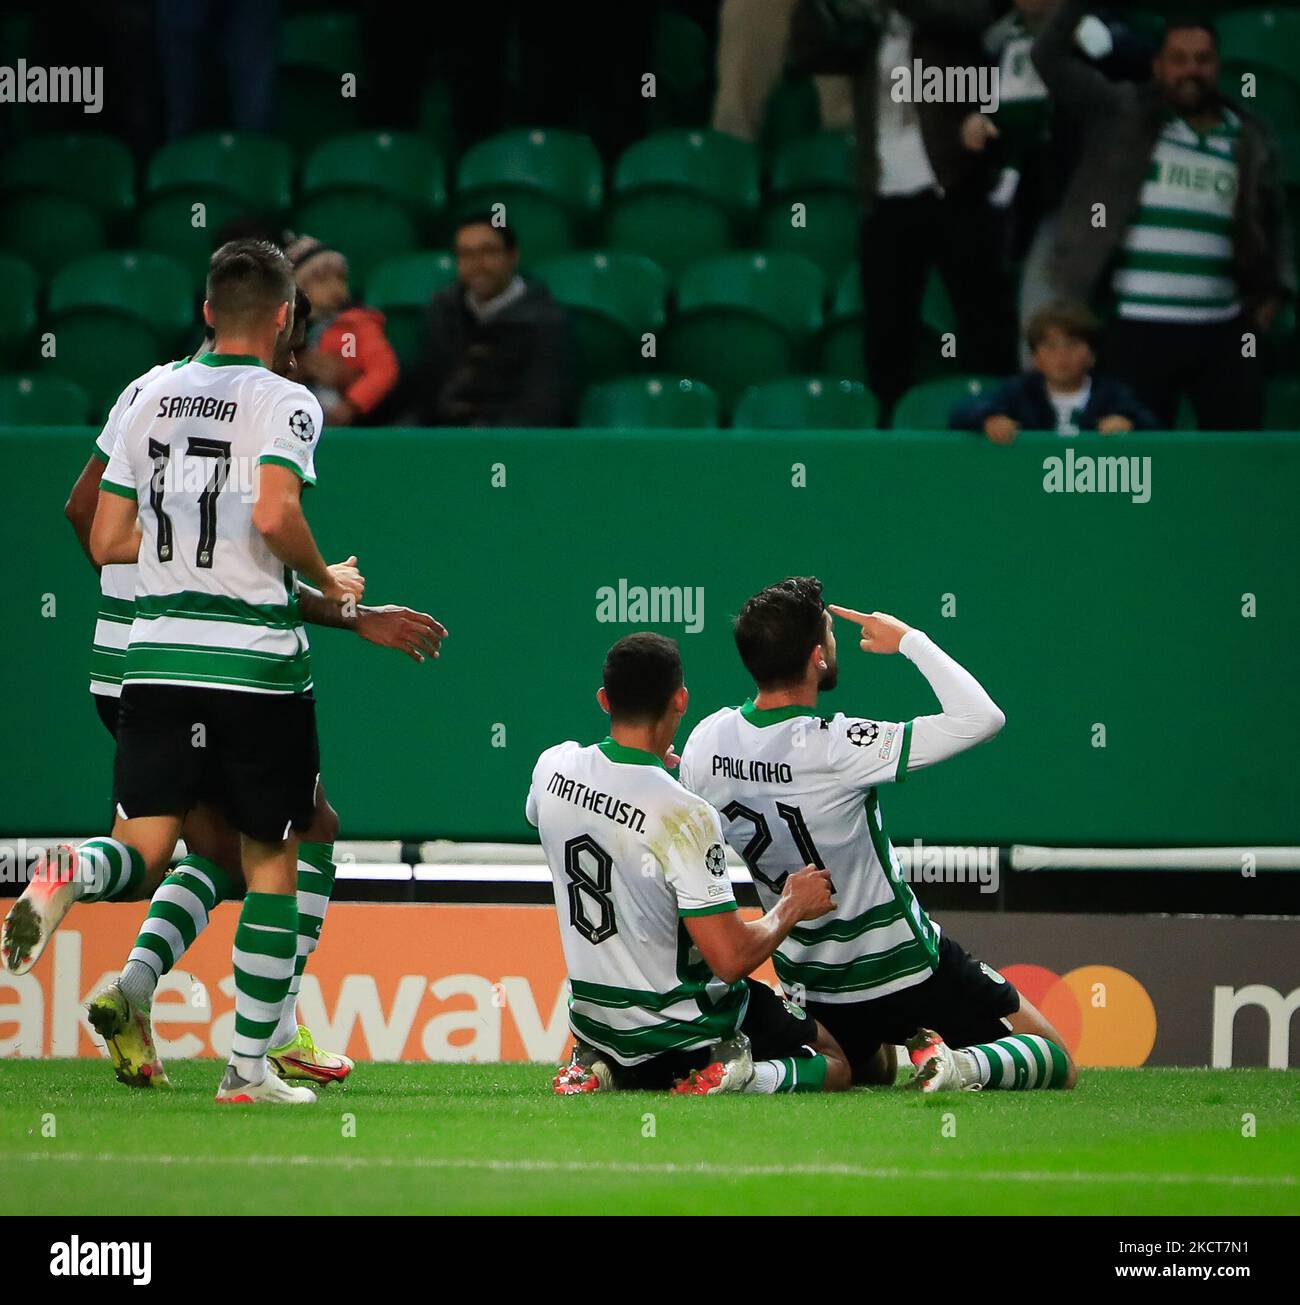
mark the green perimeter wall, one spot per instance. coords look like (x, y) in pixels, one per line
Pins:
(1073, 609)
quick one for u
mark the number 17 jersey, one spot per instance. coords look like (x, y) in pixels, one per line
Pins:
(214, 607)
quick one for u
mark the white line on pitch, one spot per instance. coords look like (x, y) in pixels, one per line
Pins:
(668, 1168)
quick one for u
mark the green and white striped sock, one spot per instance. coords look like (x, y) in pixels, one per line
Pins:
(108, 869)
(316, 872)
(265, 944)
(1018, 1063)
(791, 1074)
(177, 915)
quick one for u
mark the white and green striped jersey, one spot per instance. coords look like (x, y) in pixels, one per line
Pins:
(214, 607)
(1176, 261)
(116, 583)
(633, 854)
(796, 789)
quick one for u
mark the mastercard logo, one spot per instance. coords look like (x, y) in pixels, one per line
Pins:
(1104, 1014)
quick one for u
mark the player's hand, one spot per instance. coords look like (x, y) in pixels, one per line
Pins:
(1000, 429)
(809, 890)
(881, 633)
(416, 634)
(347, 571)
(1114, 426)
(671, 758)
(976, 131)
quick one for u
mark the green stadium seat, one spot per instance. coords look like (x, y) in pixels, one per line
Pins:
(680, 196)
(137, 285)
(1268, 36)
(817, 173)
(49, 231)
(102, 351)
(613, 299)
(806, 403)
(254, 171)
(927, 406)
(328, 40)
(89, 167)
(550, 182)
(654, 402)
(401, 289)
(1282, 404)
(1276, 97)
(744, 318)
(166, 226)
(842, 340)
(34, 400)
(680, 60)
(793, 112)
(316, 51)
(400, 166)
(367, 228)
(17, 307)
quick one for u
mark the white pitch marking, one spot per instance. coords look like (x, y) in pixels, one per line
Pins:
(667, 1168)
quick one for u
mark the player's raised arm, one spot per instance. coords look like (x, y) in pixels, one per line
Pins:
(969, 715)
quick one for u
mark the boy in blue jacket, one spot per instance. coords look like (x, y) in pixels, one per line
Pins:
(1060, 392)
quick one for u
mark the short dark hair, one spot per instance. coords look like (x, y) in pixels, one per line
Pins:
(1067, 315)
(247, 281)
(642, 672)
(778, 628)
(504, 230)
(301, 314)
(1189, 22)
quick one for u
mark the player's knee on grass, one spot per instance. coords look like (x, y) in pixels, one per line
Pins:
(839, 1077)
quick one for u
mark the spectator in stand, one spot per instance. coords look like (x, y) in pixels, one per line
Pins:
(925, 194)
(753, 36)
(500, 350)
(348, 363)
(1060, 391)
(1193, 242)
(1035, 153)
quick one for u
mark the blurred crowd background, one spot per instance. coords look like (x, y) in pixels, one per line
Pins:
(693, 213)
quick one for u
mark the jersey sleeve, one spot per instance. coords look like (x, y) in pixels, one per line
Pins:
(695, 865)
(119, 477)
(864, 753)
(107, 437)
(293, 432)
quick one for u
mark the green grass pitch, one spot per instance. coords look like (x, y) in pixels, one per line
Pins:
(491, 1139)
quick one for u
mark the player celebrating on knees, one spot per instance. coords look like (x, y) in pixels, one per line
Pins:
(657, 955)
(795, 787)
(217, 680)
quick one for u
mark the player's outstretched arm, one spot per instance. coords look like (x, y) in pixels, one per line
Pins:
(969, 715)
(416, 634)
(278, 517)
(733, 948)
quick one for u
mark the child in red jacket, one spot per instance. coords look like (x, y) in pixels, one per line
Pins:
(348, 363)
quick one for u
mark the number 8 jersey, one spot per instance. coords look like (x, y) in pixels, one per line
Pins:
(214, 607)
(632, 854)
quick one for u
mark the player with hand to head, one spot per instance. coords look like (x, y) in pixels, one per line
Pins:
(796, 787)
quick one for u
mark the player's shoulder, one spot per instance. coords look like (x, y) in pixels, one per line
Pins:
(710, 724)
(860, 731)
(556, 753)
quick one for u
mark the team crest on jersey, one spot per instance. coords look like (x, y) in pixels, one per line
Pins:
(862, 733)
(992, 973)
(715, 860)
(302, 425)
(797, 1011)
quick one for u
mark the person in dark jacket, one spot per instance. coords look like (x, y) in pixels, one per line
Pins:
(925, 191)
(1060, 392)
(500, 349)
(1176, 211)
